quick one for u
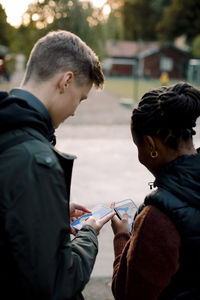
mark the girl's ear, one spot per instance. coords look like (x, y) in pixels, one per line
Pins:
(149, 143)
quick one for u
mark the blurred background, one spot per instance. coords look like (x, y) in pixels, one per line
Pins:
(142, 44)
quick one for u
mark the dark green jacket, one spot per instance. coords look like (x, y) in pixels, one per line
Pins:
(37, 258)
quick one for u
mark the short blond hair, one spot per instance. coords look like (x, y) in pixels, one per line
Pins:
(63, 51)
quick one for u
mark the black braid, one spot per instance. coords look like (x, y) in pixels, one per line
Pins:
(169, 112)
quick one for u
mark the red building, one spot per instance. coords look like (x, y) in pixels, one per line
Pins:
(145, 59)
(122, 56)
(169, 59)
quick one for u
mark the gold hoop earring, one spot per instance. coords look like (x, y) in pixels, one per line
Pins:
(154, 154)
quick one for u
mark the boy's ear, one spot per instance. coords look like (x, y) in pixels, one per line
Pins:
(64, 81)
(67, 78)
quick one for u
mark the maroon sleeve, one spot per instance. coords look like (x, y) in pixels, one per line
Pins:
(120, 241)
(149, 259)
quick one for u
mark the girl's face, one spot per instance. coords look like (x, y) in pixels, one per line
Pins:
(146, 145)
(143, 154)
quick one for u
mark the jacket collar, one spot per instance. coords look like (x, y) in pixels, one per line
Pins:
(33, 102)
(40, 110)
(181, 177)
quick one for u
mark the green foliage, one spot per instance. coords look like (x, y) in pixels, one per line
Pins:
(129, 19)
(6, 30)
(160, 19)
(138, 18)
(131, 88)
(196, 46)
(25, 38)
(79, 17)
(3, 27)
(113, 27)
(159, 6)
(181, 17)
(72, 15)
(141, 18)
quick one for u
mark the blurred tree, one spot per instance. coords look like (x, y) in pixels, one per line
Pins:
(113, 27)
(138, 19)
(25, 37)
(141, 17)
(5, 28)
(181, 17)
(45, 15)
(196, 46)
(159, 5)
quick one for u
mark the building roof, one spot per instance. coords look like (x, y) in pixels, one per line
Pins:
(128, 49)
(157, 49)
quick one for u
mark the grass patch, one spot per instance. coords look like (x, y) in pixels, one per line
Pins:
(130, 88)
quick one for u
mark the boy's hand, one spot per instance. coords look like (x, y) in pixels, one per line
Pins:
(76, 210)
(98, 224)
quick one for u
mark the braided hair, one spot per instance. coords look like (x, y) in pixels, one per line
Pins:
(168, 112)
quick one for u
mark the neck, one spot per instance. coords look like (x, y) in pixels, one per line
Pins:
(168, 154)
(46, 91)
(38, 91)
(186, 148)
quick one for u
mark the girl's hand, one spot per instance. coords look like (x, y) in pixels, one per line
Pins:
(119, 225)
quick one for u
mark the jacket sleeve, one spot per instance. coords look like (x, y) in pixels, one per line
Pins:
(37, 223)
(149, 259)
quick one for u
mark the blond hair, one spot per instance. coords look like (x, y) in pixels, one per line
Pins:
(63, 51)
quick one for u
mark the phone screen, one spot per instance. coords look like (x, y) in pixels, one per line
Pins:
(78, 223)
(98, 212)
(126, 206)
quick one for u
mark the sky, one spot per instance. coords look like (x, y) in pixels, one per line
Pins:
(15, 8)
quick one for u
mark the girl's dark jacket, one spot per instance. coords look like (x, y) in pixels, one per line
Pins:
(37, 258)
(178, 196)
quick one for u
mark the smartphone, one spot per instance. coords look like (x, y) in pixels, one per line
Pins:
(98, 212)
(126, 206)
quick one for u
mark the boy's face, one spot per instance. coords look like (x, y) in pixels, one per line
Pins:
(68, 101)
